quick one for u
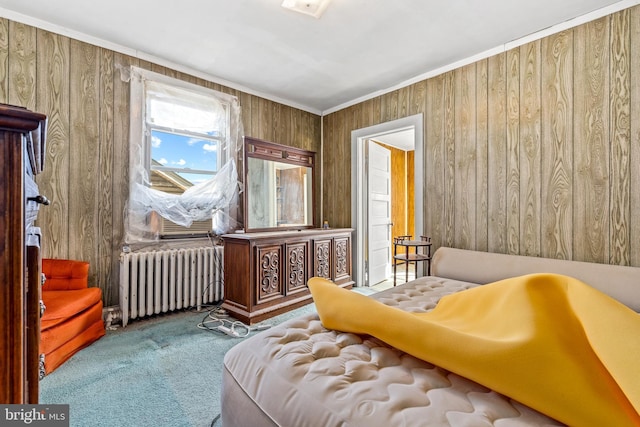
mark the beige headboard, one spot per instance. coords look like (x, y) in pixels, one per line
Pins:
(619, 282)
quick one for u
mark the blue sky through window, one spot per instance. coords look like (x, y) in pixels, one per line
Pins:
(185, 152)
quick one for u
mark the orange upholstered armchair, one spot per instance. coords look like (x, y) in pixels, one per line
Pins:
(73, 316)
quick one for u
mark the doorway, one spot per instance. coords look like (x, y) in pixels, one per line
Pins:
(359, 184)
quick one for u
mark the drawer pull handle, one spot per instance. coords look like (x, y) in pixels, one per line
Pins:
(39, 199)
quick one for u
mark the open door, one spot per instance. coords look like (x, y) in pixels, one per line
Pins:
(379, 213)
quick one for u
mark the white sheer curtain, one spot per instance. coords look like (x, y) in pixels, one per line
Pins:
(179, 105)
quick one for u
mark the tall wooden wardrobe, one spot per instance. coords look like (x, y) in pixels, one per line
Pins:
(22, 152)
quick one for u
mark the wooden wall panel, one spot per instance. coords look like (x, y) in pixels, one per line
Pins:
(342, 168)
(634, 115)
(556, 140)
(404, 95)
(364, 114)
(620, 138)
(530, 149)
(464, 158)
(591, 142)
(389, 108)
(482, 156)
(434, 161)
(557, 136)
(245, 104)
(327, 178)
(84, 178)
(417, 98)
(337, 175)
(4, 60)
(497, 154)
(513, 152)
(264, 114)
(22, 65)
(53, 87)
(449, 199)
(106, 143)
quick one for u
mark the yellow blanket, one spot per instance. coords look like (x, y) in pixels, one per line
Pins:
(545, 340)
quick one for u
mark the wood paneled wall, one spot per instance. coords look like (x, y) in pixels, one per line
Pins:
(534, 151)
(79, 87)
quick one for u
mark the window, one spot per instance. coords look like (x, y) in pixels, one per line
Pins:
(182, 139)
(192, 158)
(185, 130)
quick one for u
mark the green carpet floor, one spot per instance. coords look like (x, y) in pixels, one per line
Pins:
(163, 371)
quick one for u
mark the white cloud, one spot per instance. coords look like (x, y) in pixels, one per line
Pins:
(155, 141)
(193, 141)
(163, 161)
(210, 147)
(180, 162)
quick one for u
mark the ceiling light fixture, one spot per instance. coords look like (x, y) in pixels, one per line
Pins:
(308, 7)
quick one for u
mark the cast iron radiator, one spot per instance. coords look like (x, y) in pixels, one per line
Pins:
(166, 280)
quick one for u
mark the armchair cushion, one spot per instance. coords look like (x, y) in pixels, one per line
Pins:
(55, 337)
(65, 274)
(62, 305)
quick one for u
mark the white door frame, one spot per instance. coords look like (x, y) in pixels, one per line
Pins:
(358, 195)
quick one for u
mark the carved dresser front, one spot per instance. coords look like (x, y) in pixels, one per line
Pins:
(266, 273)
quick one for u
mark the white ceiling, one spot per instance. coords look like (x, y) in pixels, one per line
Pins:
(357, 49)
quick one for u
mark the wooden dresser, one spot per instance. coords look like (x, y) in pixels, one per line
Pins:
(22, 150)
(266, 273)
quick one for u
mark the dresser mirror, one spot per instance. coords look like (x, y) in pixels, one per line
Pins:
(278, 186)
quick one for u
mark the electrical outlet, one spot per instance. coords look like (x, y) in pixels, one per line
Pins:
(111, 315)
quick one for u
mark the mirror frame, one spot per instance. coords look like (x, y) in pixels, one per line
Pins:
(265, 150)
